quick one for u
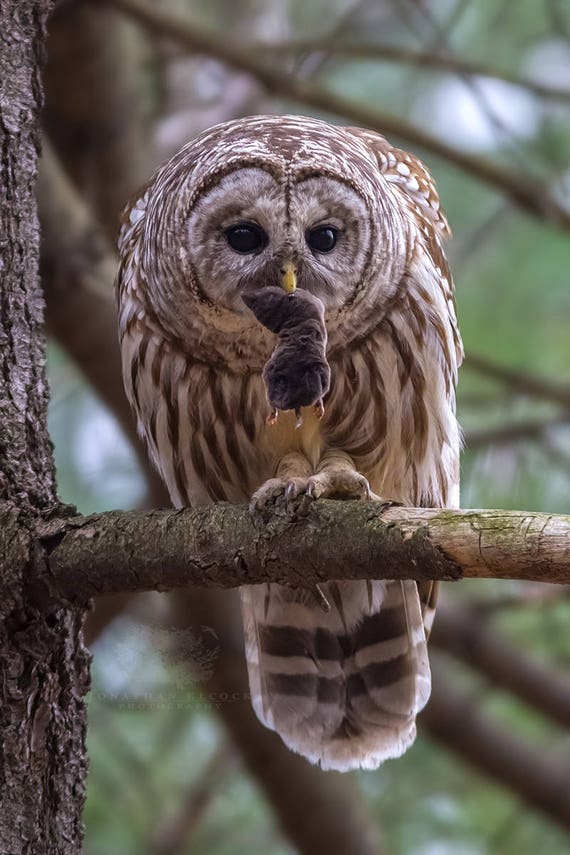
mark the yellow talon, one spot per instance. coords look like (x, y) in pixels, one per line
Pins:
(288, 277)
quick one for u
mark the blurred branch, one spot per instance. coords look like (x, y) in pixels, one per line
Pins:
(531, 196)
(462, 631)
(173, 835)
(78, 268)
(516, 153)
(520, 381)
(95, 114)
(407, 56)
(527, 595)
(441, 30)
(223, 546)
(514, 431)
(315, 61)
(456, 720)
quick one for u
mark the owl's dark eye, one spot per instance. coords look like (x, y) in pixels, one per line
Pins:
(322, 238)
(246, 237)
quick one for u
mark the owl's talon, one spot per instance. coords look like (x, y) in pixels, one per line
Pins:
(319, 409)
(292, 491)
(273, 490)
(272, 417)
(299, 421)
(338, 483)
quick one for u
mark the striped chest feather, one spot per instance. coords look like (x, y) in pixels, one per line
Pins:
(207, 432)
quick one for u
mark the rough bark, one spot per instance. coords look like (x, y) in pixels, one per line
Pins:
(43, 667)
(224, 546)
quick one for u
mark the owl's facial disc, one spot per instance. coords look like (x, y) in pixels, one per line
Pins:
(246, 229)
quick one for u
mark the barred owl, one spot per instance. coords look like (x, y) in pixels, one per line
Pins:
(340, 672)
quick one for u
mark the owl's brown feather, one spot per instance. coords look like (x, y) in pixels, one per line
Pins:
(342, 686)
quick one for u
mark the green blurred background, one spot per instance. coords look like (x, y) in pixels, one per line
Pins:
(157, 751)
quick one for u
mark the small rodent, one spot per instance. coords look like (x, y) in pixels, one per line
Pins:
(297, 373)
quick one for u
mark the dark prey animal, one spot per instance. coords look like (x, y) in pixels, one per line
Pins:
(297, 373)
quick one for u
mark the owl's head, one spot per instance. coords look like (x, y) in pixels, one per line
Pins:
(287, 193)
(251, 199)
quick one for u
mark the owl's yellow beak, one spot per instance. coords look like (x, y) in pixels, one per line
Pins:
(288, 277)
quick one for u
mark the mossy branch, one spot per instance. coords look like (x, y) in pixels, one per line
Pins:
(75, 558)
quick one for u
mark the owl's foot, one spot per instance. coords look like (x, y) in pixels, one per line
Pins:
(331, 483)
(273, 416)
(276, 488)
(319, 409)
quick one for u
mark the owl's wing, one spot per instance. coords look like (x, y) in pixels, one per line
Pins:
(418, 195)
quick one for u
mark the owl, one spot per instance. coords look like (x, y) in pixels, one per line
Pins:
(340, 671)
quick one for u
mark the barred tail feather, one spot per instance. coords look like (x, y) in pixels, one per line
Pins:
(341, 686)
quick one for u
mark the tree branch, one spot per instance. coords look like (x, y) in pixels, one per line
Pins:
(96, 114)
(223, 546)
(461, 631)
(529, 195)
(520, 381)
(515, 431)
(408, 56)
(456, 720)
(78, 267)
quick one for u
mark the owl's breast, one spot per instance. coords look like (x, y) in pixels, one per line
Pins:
(283, 436)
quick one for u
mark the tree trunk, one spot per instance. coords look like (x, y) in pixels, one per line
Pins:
(43, 665)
